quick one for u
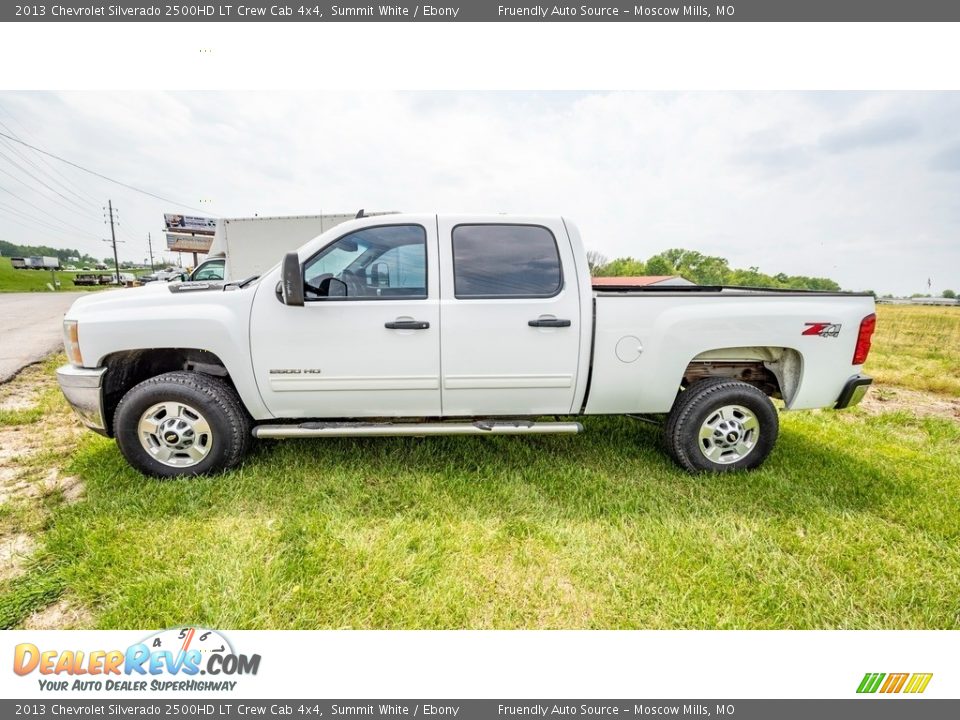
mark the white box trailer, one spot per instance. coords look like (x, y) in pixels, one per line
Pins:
(45, 262)
(253, 245)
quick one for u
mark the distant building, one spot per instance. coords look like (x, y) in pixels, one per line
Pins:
(949, 302)
(639, 281)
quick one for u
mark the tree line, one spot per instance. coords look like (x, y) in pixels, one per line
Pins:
(702, 270)
(9, 249)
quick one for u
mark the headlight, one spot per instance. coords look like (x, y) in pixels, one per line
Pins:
(71, 342)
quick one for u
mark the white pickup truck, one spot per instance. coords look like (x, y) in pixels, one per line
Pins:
(471, 325)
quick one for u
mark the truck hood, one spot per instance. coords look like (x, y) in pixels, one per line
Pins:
(156, 298)
(161, 315)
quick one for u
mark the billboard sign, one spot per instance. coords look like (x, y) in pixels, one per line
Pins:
(189, 243)
(189, 224)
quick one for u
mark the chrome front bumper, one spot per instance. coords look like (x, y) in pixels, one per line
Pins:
(83, 389)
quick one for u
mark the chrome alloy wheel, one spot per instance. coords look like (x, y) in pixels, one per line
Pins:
(175, 434)
(729, 434)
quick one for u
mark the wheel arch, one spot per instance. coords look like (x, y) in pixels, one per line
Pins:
(127, 368)
(776, 371)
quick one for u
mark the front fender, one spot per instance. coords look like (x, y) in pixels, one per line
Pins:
(217, 321)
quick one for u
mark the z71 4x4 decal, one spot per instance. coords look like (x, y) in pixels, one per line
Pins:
(823, 329)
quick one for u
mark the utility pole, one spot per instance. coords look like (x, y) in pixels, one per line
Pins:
(113, 241)
(150, 245)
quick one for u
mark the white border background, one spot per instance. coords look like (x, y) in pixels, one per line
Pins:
(513, 56)
(473, 56)
(715, 664)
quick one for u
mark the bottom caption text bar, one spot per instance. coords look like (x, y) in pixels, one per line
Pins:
(872, 708)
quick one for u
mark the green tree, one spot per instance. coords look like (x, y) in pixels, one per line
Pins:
(950, 294)
(622, 267)
(710, 270)
(690, 264)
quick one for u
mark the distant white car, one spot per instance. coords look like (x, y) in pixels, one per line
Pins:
(163, 276)
(467, 325)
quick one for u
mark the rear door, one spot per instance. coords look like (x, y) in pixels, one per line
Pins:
(510, 318)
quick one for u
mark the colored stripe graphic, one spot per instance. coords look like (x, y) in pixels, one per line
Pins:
(894, 683)
(870, 682)
(918, 683)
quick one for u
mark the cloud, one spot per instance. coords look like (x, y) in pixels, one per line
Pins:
(871, 134)
(849, 185)
(947, 159)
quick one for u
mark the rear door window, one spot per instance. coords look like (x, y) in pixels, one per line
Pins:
(505, 261)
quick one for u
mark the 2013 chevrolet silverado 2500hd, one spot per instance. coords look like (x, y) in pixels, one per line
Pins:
(425, 324)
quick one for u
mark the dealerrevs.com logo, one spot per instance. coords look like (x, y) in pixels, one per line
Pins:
(180, 659)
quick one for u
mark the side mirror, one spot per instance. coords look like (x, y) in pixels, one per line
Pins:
(291, 281)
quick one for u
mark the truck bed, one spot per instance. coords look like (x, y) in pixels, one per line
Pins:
(645, 339)
(616, 290)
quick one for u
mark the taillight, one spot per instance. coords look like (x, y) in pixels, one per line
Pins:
(867, 326)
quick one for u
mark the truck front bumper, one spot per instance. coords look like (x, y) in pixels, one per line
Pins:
(83, 388)
(853, 391)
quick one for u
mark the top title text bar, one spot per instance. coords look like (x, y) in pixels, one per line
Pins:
(487, 11)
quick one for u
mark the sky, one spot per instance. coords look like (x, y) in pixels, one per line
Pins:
(863, 188)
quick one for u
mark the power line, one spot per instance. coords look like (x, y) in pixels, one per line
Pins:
(45, 227)
(33, 205)
(48, 199)
(79, 191)
(100, 175)
(47, 220)
(36, 166)
(46, 185)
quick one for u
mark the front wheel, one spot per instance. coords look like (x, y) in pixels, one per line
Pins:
(720, 425)
(182, 423)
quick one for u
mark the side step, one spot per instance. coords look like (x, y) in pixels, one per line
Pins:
(408, 429)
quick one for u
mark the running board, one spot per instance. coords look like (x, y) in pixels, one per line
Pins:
(352, 429)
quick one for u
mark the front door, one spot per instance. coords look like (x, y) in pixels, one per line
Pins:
(511, 318)
(366, 343)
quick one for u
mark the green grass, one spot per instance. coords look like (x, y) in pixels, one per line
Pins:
(852, 523)
(34, 280)
(27, 593)
(917, 347)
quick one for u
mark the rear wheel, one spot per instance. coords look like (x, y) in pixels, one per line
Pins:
(182, 423)
(720, 425)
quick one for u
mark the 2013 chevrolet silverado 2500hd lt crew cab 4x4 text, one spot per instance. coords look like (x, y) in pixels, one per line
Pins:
(425, 324)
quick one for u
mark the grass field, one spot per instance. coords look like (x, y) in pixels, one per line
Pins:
(34, 280)
(852, 523)
(917, 347)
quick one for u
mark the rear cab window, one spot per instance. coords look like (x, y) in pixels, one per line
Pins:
(505, 261)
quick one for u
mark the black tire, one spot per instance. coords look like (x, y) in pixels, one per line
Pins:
(699, 404)
(211, 398)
